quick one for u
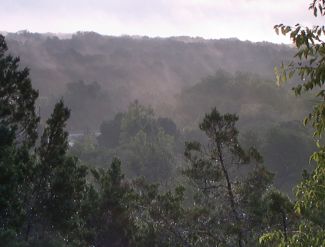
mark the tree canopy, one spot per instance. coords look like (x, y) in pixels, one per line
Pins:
(309, 66)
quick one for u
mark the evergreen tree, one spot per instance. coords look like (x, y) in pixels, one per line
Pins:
(18, 134)
(17, 98)
(41, 188)
(107, 209)
(227, 208)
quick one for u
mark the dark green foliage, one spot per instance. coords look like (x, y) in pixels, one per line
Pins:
(17, 98)
(280, 209)
(18, 134)
(308, 64)
(229, 202)
(48, 199)
(41, 187)
(161, 218)
(107, 209)
(7, 136)
(61, 180)
(251, 193)
(264, 109)
(145, 144)
(12, 177)
(54, 141)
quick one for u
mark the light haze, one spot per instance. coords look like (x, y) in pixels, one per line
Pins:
(244, 19)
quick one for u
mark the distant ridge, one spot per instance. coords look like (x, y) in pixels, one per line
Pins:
(185, 39)
(152, 70)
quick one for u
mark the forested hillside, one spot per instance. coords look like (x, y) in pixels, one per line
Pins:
(151, 70)
(164, 142)
(179, 79)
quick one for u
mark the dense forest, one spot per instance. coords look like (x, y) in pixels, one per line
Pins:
(179, 79)
(135, 141)
(119, 70)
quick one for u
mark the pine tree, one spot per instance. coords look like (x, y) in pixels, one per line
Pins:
(17, 98)
(215, 170)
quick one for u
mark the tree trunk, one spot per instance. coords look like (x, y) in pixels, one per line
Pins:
(231, 197)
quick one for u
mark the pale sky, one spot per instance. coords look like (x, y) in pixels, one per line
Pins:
(244, 19)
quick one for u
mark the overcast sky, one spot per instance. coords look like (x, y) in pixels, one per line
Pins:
(245, 19)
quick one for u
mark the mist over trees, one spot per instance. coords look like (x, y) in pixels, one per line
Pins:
(173, 142)
(151, 70)
(180, 78)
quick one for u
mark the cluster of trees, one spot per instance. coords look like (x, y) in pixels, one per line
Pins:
(225, 195)
(166, 73)
(153, 146)
(152, 70)
(146, 145)
(86, 100)
(270, 119)
(253, 97)
(49, 199)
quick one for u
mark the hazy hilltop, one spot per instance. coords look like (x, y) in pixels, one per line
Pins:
(157, 139)
(152, 70)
